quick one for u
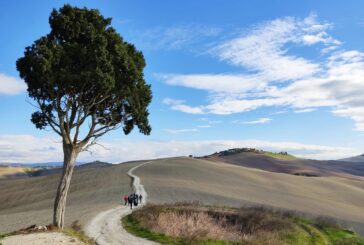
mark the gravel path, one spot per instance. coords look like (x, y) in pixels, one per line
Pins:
(54, 238)
(106, 227)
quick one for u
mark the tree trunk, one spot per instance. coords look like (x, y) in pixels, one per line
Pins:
(70, 155)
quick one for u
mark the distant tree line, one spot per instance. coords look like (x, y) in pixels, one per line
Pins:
(233, 151)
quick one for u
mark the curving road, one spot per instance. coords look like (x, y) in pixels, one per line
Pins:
(106, 227)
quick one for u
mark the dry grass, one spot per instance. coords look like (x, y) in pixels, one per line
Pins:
(192, 222)
(6, 171)
(186, 179)
(195, 224)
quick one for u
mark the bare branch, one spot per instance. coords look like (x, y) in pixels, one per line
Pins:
(94, 142)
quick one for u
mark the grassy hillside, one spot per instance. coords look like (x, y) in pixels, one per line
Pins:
(234, 151)
(216, 183)
(11, 172)
(194, 224)
(283, 162)
(28, 201)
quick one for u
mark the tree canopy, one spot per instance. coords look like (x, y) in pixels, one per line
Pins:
(83, 71)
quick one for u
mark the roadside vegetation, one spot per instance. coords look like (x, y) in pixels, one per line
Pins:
(196, 224)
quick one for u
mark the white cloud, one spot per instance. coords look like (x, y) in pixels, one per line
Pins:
(178, 131)
(258, 121)
(305, 110)
(209, 121)
(272, 76)
(354, 113)
(11, 85)
(228, 106)
(187, 109)
(264, 49)
(27, 148)
(170, 101)
(217, 83)
(178, 105)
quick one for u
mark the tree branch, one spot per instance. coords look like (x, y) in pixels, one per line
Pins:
(65, 134)
(49, 118)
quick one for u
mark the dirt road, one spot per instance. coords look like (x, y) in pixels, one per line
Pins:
(106, 227)
(54, 238)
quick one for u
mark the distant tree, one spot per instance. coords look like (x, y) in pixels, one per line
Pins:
(85, 80)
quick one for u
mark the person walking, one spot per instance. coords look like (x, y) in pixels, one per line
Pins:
(130, 201)
(126, 199)
(136, 199)
(140, 198)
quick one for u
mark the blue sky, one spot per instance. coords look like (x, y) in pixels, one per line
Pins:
(276, 75)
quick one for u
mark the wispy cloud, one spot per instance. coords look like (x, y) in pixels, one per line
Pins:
(178, 131)
(305, 110)
(215, 83)
(11, 85)
(273, 76)
(175, 37)
(258, 121)
(27, 148)
(279, 112)
(209, 121)
(178, 105)
(264, 49)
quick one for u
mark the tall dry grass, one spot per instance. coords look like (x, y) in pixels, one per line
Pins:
(193, 222)
(194, 225)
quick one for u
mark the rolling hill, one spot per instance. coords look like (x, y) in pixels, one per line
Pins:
(94, 187)
(284, 163)
(218, 183)
(28, 201)
(359, 158)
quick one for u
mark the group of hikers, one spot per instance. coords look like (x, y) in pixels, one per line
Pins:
(133, 199)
